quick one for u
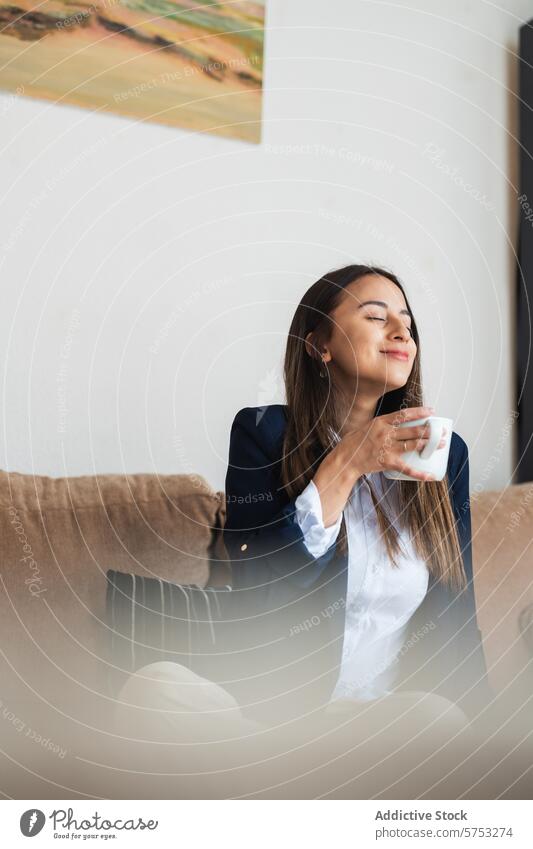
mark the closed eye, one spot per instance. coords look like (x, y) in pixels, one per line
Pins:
(376, 318)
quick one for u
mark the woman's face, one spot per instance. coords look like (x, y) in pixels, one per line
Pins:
(363, 331)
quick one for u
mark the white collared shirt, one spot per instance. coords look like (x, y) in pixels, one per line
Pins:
(380, 598)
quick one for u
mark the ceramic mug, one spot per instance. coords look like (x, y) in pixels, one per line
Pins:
(430, 460)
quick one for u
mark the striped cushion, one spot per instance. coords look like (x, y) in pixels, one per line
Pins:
(151, 620)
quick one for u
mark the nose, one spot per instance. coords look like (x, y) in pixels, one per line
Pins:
(400, 331)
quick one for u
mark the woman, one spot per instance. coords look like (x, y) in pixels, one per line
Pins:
(352, 616)
(354, 591)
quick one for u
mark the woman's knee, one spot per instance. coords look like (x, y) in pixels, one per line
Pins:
(167, 697)
(165, 683)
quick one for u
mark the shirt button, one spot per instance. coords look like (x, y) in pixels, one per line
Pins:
(244, 547)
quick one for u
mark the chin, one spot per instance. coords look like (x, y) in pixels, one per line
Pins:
(394, 378)
(391, 385)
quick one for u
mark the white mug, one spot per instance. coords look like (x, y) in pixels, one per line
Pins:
(430, 460)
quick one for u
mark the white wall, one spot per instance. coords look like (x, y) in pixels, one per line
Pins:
(150, 274)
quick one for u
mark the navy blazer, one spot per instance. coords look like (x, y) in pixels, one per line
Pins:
(289, 606)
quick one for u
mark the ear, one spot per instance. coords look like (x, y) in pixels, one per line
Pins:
(316, 351)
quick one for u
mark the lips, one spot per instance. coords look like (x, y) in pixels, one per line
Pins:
(397, 355)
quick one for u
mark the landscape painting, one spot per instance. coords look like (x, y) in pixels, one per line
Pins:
(197, 65)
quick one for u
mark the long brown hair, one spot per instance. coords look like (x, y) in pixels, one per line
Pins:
(314, 408)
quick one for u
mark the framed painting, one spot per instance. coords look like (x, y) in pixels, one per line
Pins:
(197, 65)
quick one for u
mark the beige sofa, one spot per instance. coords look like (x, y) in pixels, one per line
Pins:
(59, 536)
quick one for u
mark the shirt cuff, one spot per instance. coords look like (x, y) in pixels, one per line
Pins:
(308, 508)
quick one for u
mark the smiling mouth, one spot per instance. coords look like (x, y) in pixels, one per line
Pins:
(397, 355)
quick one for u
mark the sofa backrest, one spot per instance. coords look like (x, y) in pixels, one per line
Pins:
(502, 549)
(58, 537)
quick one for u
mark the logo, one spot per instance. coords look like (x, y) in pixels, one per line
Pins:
(31, 822)
(65, 825)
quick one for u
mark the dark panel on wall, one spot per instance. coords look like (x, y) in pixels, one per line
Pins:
(524, 299)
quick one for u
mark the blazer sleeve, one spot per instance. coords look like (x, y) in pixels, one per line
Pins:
(461, 503)
(471, 660)
(262, 535)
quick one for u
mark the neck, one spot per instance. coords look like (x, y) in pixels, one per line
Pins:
(357, 410)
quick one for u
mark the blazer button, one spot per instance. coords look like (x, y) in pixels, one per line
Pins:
(244, 547)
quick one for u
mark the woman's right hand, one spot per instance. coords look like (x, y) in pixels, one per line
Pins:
(379, 446)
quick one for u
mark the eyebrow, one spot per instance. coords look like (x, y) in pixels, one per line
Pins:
(382, 304)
